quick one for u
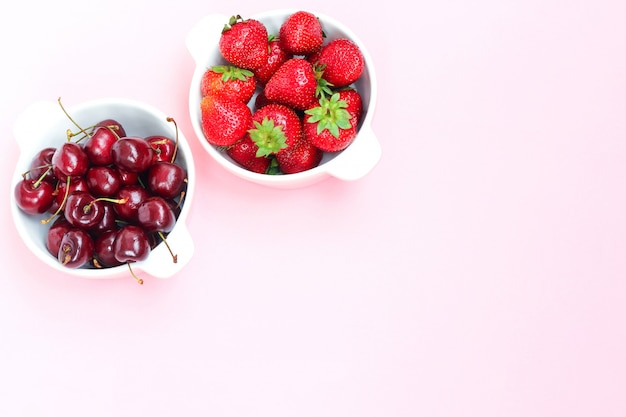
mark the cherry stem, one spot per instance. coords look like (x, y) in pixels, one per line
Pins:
(41, 177)
(139, 280)
(171, 119)
(88, 207)
(56, 213)
(69, 132)
(114, 129)
(174, 256)
(180, 199)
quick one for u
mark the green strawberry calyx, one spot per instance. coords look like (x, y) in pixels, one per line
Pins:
(231, 73)
(268, 137)
(323, 87)
(231, 22)
(330, 114)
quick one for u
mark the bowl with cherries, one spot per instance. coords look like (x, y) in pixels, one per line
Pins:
(102, 189)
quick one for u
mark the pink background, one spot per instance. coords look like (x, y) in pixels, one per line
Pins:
(478, 270)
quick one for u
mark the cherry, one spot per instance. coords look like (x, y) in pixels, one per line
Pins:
(113, 125)
(108, 221)
(76, 248)
(103, 180)
(131, 244)
(156, 215)
(98, 146)
(132, 154)
(133, 196)
(70, 159)
(164, 148)
(55, 234)
(127, 177)
(75, 184)
(41, 165)
(34, 196)
(166, 179)
(103, 250)
(83, 210)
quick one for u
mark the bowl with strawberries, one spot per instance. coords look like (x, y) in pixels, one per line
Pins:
(283, 98)
(102, 189)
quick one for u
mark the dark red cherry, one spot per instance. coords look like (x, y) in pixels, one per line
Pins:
(132, 154)
(131, 244)
(83, 210)
(156, 215)
(166, 179)
(127, 177)
(131, 197)
(164, 148)
(103, 181)
(34, 196)
(70, 159)
(108, 221)
(98, 146)
(76, 184)
(103, 250)
(112, 125)
(76, 248)
(41, 165)
(55, 234)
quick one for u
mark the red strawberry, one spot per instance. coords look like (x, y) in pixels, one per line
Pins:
(275, 58)
(224, 119)
(244, 153)
(243, 43)
(353, 100)
(293, 84)
(236, 82)
(341, 61)
(328, 125)
(276, 128)
(300, 157)
(301, 33)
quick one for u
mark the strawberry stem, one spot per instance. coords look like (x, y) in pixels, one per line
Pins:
(269, 138)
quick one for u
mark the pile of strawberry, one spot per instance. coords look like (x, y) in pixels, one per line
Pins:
(305, 102)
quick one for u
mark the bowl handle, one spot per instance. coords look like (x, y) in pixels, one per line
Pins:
(359, 158)
(160, 263)
(205, 34)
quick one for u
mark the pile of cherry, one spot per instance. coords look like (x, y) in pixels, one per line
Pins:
(107, 198)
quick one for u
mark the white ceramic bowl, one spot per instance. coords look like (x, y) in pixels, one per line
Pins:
(350, 164)
(43, 124)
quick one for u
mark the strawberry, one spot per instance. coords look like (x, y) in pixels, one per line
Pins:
(224, 119)
(294, 84)
(243, 43)
(275, 58)
(328, 125)
(236, 82)
(301, 33)
(353, 100)
(244, 153)
(300, 157)
(341, 61)
(276, 128)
